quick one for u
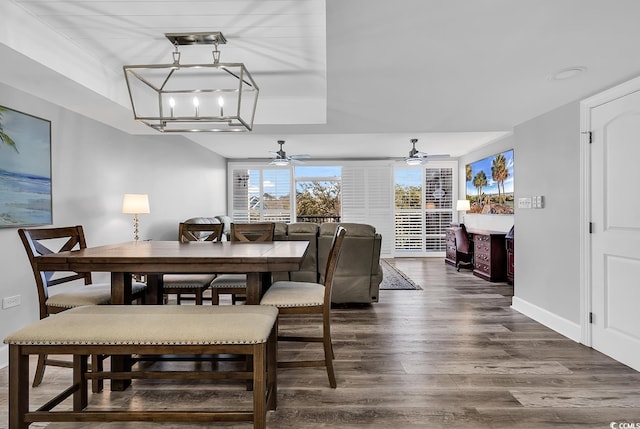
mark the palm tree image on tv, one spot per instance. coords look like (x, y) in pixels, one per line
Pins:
(489, 184)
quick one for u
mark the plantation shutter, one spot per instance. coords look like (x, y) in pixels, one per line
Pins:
(421, 218)
(438, 188)
(240, 196)
(276, 196)
(261, 195)
(367, 197)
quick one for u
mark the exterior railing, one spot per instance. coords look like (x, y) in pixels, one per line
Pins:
(318, 218)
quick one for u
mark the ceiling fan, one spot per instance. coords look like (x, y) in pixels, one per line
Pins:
(280, 157)
(418, 158)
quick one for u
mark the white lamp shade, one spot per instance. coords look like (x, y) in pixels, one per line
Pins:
(135, 203)
(463, 205)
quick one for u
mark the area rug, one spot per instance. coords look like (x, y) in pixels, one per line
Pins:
(395, 279)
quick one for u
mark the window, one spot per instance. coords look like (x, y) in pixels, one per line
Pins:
(423, 209)
(261, 195)
(318, 194)
(410, 206)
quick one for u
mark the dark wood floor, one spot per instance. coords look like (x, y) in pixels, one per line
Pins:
(451, 355)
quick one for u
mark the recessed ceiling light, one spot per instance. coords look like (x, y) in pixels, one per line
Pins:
(567, 73)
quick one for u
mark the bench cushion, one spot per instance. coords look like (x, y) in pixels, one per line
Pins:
(151, 325)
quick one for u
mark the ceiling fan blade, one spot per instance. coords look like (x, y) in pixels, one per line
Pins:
(300, 156)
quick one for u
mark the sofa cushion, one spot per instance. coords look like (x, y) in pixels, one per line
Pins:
(301, 231)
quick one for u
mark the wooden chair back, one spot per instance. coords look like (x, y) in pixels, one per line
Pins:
(462, 240)
(332, 263)
(200, 232)
(252, 231)
(41, 241)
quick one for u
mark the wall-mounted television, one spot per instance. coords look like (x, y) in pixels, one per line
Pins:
(489, 184)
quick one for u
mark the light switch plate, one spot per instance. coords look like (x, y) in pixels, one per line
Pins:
(524, 203)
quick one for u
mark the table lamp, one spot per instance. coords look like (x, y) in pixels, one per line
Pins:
(463, 206)
(135, 204)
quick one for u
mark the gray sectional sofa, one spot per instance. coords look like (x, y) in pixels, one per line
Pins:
(358, 275)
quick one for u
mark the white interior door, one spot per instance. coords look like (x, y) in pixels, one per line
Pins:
(615, 241)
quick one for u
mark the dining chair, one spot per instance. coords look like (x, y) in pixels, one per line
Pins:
(192, 284)
(304, 299)
(236, 284)
(60, 291)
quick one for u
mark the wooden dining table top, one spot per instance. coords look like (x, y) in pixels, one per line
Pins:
(177, 257)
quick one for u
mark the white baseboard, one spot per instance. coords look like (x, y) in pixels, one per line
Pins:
(4, 356)
(559, 324)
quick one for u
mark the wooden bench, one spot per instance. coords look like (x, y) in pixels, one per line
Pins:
(248, 330)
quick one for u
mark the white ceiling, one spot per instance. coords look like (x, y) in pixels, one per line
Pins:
(338, 78)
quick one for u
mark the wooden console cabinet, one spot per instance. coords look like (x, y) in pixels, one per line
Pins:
(451, 256)
(490, 255)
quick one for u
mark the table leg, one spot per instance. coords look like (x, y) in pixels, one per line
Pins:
(257, 284)
(254, 288)
(120, 295)
(121, 288)
(120, 363)
(154, 292)
(265, 283)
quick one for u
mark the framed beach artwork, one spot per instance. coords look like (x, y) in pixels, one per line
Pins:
(489, 185)
(25, 169)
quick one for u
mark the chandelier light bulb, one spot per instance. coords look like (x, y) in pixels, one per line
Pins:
(172, 104)
(196, 103)
(221, 104)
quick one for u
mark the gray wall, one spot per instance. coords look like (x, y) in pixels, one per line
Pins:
(547, 243)
(547, 268)
(93, 165)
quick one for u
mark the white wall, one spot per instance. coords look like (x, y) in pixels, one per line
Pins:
(93, 165)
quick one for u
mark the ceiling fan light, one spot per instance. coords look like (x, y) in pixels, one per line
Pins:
(414, 161)
(280, 162)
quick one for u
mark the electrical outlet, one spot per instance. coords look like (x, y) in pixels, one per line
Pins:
(11, 301)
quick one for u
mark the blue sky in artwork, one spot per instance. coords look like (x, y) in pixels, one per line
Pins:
(32, 138)
(492, 186)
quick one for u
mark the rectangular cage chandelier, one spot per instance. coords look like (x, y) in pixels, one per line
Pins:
(179, 97)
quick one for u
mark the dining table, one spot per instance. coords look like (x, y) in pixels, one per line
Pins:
(154, 258)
